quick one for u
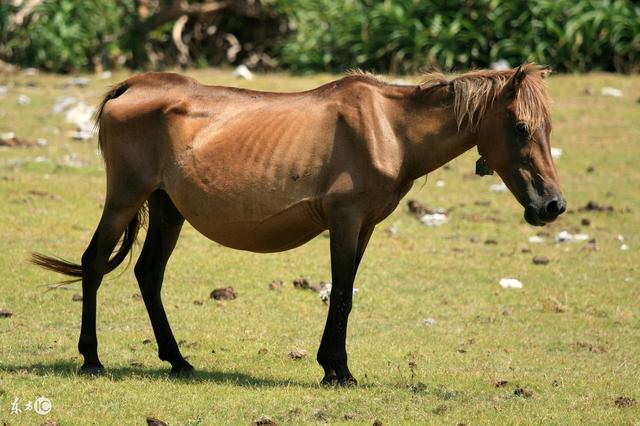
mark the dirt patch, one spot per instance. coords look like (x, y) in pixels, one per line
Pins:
(297, 353)
(5, 313)
(264, 420)
(224, 293)
(624, 401)
(591, 347)
(305, 283)
(523, 393)
(500, 383)
(551, 304)
(152, 421)
(585, 221)
(593, 206)
(12, 141)
(276, 285)
(76, 298)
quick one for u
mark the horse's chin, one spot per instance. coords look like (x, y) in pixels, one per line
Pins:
(532, 217)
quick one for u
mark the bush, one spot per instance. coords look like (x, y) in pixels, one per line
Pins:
(63, 35)
(407, 35)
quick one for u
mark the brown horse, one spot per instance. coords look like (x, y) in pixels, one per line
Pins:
(267, 172)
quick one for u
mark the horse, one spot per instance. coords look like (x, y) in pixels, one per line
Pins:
(267, 172)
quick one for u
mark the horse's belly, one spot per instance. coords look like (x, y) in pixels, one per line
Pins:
(254, 225)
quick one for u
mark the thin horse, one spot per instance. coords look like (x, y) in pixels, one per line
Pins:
(267, 172)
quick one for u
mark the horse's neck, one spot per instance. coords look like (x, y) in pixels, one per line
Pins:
(429, 133)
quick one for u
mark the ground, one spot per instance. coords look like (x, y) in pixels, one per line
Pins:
(560, 350)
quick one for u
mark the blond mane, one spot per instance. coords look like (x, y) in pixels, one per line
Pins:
(476, 91)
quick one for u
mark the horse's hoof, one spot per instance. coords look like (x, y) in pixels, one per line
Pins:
(348, 381)
(329, 380)
(182, 370)
(333, 380)
(91, 369)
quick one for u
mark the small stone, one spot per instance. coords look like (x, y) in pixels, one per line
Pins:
(224, 293)
(540, 260)
(501, 383)
(276, 285)
(5, 313)
(146, 341)
(297, 353)
(429, 322)
(523, 393)
(76, 298)
(23, 100)
(152, 421)
(264, 420)
(585, 222)
(377, 422)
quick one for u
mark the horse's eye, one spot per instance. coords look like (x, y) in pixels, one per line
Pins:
(522, 130)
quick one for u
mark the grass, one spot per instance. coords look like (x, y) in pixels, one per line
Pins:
(570, 337)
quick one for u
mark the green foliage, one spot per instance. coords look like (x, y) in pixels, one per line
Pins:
(64, 35)
(397, 36)
(406, 35)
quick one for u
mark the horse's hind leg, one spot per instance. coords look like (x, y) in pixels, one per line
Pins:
(165, 223)
(115, 218)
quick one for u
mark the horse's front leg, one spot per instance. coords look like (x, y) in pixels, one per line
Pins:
(332, 354)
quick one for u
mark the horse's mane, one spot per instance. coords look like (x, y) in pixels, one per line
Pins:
(475, 92)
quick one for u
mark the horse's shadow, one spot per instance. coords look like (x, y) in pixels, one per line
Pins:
(69, 369)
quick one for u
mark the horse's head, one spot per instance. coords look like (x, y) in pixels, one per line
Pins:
(514, 138)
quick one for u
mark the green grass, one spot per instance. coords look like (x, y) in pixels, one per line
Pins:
(576, 362)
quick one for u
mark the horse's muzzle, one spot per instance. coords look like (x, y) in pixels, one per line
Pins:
(547, 212)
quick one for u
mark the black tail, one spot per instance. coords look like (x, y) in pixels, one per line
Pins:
(113, 93)
(65, 267)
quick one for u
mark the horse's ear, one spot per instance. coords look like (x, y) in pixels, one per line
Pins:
(514, 83)
(545, 72)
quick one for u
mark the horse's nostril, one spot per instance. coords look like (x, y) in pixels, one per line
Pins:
(555, 207)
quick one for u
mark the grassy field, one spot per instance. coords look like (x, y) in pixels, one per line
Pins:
(561, 350)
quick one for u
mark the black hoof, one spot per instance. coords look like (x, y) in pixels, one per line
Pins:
(333, 380)
(182, 370)
(91, 369)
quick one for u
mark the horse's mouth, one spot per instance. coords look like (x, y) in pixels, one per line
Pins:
(532, 217)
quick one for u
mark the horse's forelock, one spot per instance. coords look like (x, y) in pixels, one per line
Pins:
(476, 91)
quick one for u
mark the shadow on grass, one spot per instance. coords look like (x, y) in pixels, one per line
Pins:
(69, 369)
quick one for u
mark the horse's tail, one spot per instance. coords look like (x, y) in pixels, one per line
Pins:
(113, 93)
(71, 269)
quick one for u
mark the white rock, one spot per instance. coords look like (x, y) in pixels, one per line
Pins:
(440, 184)
(23, 100)
(393, 229)
(434, 219)
(620, 238)
(510, 283)
(556, 153)
(611, 91)
(429, 322)
(536, 239)
(62, 103)
(624, 247)
(3, 90)
(566, 236)
(77, 82)
(325, 291)
(242, 71)
(498, 187)
(105, 75)
(42, 142)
